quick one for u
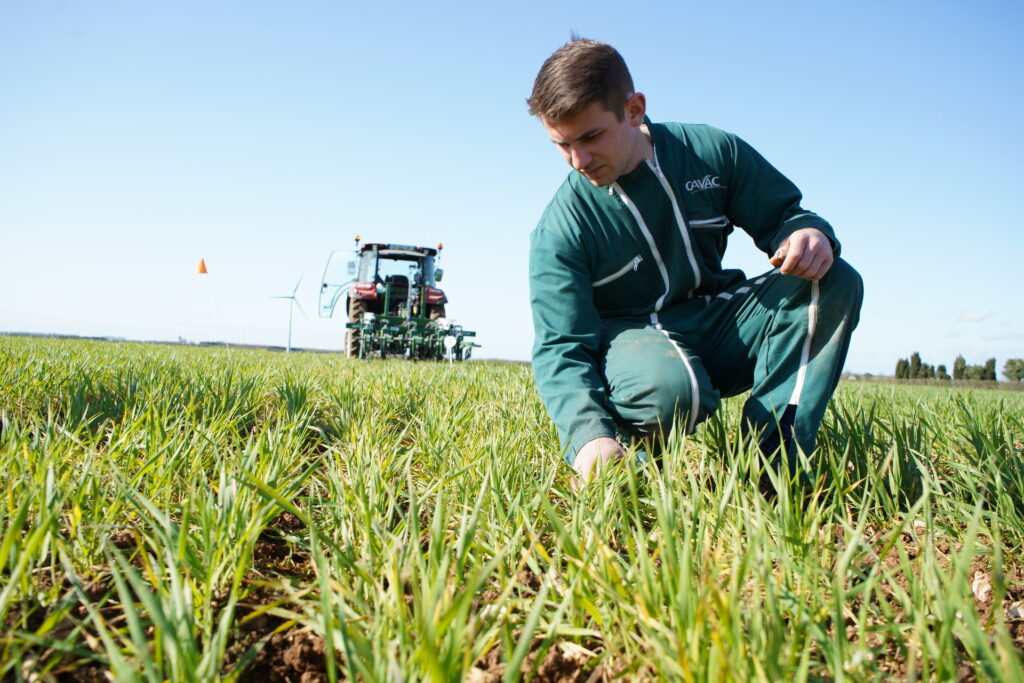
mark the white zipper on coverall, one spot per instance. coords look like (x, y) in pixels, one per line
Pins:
(681, 223)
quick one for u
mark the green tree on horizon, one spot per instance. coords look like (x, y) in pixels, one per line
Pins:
(915, 368)
(1013, 369)
(988, 373)
(915, 365)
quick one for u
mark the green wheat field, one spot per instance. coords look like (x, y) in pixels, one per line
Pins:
(178, 513)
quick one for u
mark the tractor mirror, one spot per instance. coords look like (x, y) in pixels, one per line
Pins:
(437, 274)
(351, 267)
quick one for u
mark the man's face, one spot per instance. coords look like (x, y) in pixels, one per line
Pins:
(597, 144)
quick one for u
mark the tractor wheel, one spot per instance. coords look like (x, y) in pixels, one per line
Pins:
(435, 311)
(356, 308)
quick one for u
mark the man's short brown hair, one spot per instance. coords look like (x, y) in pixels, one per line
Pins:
(581, 72)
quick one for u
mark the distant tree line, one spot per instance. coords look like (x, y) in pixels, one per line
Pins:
(961, 370)
(1013, 369)
(915, 368)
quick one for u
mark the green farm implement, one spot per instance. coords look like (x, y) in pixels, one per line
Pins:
(393, 306)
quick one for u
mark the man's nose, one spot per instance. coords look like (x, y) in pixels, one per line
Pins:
(580, 159)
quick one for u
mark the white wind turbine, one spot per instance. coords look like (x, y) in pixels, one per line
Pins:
(291, 310)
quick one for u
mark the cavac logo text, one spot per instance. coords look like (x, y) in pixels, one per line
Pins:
(708, 182)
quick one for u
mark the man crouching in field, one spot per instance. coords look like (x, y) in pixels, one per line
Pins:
(638, 327)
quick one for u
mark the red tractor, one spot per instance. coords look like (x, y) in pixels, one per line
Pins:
(394, 307)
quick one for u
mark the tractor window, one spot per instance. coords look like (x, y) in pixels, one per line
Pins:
(336, 279)
(340, 268)
(367, 266)
(410, 269)
(376, 266)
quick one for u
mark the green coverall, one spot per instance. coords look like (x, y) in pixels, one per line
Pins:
(638, 326)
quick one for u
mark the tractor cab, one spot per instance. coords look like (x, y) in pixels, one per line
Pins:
(397, 279)
(389, 279)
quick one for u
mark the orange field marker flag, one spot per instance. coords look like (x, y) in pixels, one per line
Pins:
(201, 269)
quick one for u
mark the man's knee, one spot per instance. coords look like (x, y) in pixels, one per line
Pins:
(665, 386)
(843, 287)
(651, 405)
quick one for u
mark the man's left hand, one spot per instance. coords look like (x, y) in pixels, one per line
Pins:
(807, 253)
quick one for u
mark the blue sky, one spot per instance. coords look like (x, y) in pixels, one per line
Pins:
(137, 138)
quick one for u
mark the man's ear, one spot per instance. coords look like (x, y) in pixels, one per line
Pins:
(636, 108)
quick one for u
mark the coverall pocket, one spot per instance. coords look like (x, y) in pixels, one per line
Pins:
(632, 265)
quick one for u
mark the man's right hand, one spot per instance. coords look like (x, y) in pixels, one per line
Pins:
(594, 454)
(807, 253)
